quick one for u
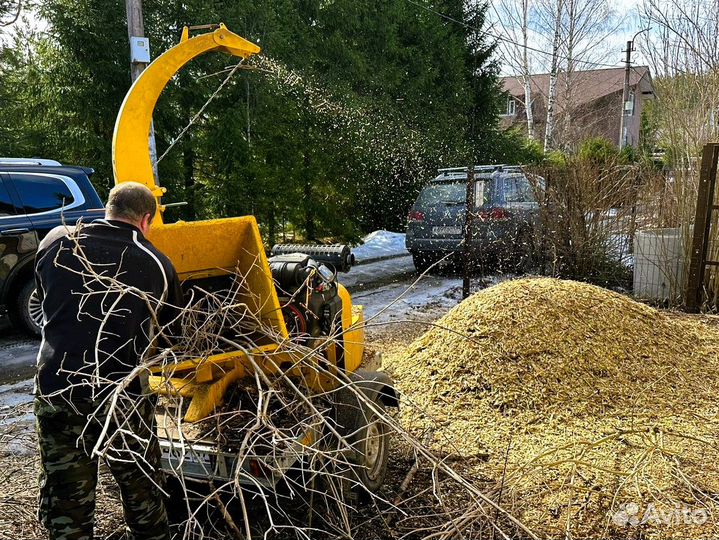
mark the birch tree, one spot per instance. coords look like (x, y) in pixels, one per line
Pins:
(683, 52)
(585, 26)
(513, 16)
(558, 36)
(554, 10)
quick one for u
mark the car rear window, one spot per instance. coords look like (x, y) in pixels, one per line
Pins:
(516, 189)
(449, 193)
(40, 193)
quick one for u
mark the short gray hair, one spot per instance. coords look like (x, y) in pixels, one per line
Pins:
(130, 200)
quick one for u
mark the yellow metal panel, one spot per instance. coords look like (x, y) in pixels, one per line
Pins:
(353, 326)
(354, 340)
(219, 247)
(172, 386)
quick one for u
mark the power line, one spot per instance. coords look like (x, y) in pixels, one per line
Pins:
(508, 40)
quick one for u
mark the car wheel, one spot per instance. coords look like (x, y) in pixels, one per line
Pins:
(422, 260)
(26, 314)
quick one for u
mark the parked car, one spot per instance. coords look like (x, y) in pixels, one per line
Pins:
(506, 213)
(36, 195)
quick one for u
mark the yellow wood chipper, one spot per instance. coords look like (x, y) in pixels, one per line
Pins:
(310, 302)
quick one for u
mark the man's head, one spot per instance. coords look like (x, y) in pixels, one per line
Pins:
(132, 203)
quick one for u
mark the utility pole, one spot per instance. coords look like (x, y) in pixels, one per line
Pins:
(139, 58)
(625, 93)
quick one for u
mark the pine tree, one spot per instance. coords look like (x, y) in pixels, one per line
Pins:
(389, 92)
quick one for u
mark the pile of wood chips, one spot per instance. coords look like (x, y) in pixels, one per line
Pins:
(590, 414)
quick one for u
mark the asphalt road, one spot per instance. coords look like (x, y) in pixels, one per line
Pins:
(17, 354)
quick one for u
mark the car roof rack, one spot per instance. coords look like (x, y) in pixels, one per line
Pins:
(30, 161)
(453, 173)
(482, 168)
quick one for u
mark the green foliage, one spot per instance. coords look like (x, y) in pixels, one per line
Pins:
(556, 159)
(514, 148)
(628, 155)
(649, 127)
(598, 151)
(388, 91)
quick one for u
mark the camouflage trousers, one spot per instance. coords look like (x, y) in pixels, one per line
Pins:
(67, 434)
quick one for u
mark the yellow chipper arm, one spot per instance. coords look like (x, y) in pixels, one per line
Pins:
(225, 247)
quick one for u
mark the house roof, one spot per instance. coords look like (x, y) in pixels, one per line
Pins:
(587, 86)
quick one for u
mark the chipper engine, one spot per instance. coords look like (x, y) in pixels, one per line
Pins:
(297, 333)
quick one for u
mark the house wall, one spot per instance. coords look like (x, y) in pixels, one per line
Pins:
(599, 118)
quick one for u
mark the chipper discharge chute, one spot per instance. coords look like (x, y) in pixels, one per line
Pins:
(310, 331)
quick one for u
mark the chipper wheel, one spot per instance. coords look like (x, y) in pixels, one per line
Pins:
(372, 445)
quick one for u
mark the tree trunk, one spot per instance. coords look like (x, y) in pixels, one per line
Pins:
(527, 74)
(567, 138)
(552, 96)
(310, 231)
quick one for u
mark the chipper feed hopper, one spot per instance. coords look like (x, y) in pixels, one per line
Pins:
(310, 303)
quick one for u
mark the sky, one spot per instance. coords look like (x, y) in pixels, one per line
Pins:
(627, 21)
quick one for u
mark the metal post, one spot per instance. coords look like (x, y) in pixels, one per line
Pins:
(136, 29)
(469, 200)
(702, 224)
(625, 93)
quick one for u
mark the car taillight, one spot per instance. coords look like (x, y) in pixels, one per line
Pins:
(415, 215)
(495, 214)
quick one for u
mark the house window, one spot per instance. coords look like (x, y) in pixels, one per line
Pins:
(511, 107)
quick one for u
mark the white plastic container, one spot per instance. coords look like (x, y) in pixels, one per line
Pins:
(659, 264)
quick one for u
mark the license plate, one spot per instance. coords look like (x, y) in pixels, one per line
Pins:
(446, 230)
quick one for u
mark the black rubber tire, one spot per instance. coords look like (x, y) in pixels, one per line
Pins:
(179, 501)
(26, 318)
(422, 260)
(372, 443)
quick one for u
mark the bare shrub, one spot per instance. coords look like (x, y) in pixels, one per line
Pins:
(591, 210)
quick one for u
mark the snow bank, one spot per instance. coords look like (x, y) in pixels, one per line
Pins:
(380, 245)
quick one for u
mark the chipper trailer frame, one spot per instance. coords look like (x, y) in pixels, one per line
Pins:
(316, 307)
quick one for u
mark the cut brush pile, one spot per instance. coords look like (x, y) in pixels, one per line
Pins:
(594, 415)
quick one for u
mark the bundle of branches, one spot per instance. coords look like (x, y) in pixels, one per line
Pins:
(596, 414)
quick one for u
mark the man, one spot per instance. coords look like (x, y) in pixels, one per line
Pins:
(106, 294)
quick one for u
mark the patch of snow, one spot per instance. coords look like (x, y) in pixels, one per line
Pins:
(437, 294)
(619, 249)
(380, 245)
(400, 300)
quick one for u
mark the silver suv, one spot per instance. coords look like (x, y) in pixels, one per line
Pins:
(506, 213)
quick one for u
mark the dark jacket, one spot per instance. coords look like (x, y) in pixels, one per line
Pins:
(100, 286)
